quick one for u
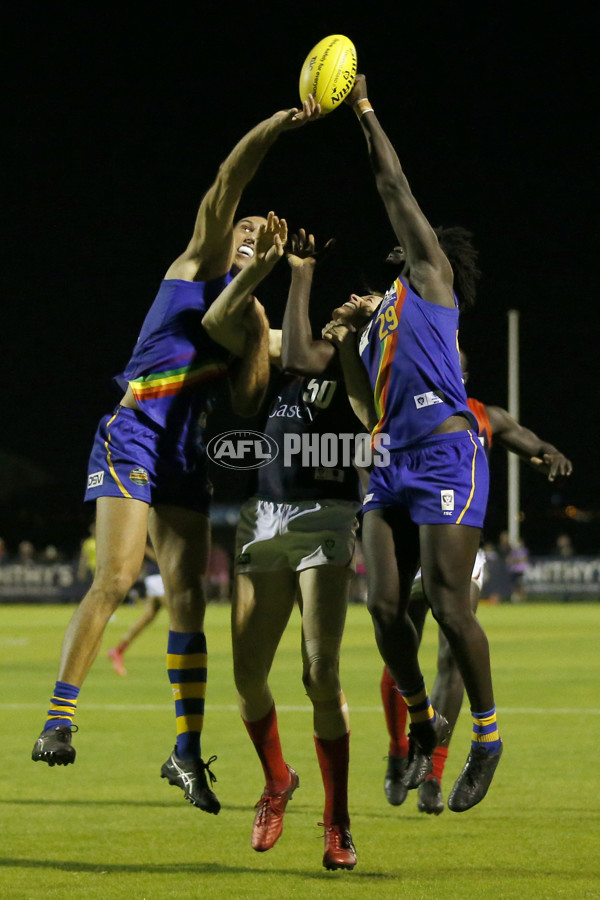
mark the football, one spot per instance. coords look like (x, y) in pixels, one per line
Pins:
(329, 71)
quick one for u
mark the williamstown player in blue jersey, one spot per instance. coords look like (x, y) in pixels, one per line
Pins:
(147, 469)
(427, 507)
(496, 425)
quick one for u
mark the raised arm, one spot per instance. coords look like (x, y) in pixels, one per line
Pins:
(209, 253)
(299, 351)
(249, 375)
(224, 320)
(544, 457)
(429, 271)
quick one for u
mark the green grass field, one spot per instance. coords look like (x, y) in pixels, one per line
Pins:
(109, 827)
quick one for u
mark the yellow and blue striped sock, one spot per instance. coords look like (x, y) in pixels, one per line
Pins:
(186, 666)
(485, 731)
(63, 705)
(419, 704)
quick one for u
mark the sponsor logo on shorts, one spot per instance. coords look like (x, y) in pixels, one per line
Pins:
(368, 498)
(96, 479)
(139, 476)
(429, 398)
(321, 452)
(447, 501)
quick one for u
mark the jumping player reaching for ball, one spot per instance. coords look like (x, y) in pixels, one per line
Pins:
(147, 469)
(294, 543)
(496, 426)
(428, 505)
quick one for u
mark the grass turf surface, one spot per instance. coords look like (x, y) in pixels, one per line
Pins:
(110, 828)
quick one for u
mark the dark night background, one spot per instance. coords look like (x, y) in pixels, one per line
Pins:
(116, 119)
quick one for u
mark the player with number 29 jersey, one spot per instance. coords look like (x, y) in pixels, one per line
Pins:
(410, 351)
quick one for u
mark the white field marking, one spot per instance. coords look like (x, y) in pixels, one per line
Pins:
(152, 707)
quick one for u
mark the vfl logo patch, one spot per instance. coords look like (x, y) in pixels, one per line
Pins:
(447, 501)
(139, 476)
(429, 398)
(368, 497)
(96, 479)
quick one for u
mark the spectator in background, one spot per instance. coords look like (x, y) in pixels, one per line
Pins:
(502, 571)
(26, 553)
(50, 555)
(517, 561)
(87, 556)
(3, 552)
(491, 582)
(565, 549)
(218, 573)
(564, 546)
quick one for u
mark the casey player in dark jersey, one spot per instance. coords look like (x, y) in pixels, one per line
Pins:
(147, 468)
(495, 425)
(428, 505)
(295, 542)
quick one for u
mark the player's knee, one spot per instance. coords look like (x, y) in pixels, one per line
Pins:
(321, 679)
(249, 677)
(180, 581)
(452, 618)
(186, 602)
(383, 608)
(110, 588)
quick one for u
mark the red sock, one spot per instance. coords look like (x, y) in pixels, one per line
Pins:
(264, 735)
(122, 647)
(396, 713)
(440, 755)
(334, 757)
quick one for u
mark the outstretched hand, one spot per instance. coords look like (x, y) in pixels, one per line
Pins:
(358, 92)
(295, 118)
(270, 240)
(337, 332)
(302, 250)
(552, 464)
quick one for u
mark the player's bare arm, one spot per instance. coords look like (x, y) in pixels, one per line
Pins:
(209, 253)
(429, 271)
(299, 351)
(224, 320)
(541, 455)
(249, 375)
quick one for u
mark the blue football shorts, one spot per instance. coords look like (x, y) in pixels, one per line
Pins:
(133, 457)
(444, 479)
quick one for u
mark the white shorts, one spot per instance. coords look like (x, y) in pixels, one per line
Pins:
(476, 576)
(297, 536)
(154, 586)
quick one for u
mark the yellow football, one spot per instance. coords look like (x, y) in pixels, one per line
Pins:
(329, 71)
